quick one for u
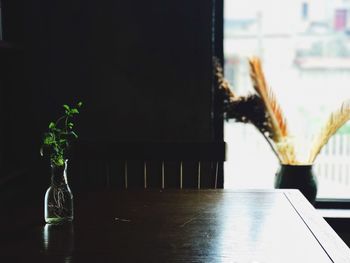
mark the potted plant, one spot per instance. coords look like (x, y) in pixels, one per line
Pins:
(263, 111)
(56, 143)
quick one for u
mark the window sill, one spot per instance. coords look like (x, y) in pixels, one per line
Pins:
(334, 213)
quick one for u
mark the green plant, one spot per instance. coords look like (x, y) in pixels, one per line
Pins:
(57, 140)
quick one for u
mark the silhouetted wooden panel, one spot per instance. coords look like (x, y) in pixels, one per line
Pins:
(135, 174)
(166, 151)
(153, 173)
(116, 174)
(151, 164)
(174, 226)
(173, 174)
(207, 174)
(190, 174)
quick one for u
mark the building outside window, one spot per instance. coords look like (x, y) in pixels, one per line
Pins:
(305, 50)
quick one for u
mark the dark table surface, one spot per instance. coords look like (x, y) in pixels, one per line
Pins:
(174, 226)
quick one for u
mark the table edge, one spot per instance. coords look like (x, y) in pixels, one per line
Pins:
(328, 239)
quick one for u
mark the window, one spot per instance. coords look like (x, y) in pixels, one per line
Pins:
(305, 50)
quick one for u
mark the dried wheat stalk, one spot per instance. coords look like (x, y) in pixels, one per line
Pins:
(336, 120)
(276, 119)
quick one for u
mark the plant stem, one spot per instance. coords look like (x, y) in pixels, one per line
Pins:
(66, 124)
(271, 145)
(59, 119)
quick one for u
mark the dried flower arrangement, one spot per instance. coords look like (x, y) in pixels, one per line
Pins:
(263, 111)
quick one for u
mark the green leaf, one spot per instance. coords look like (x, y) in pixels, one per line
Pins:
(56, 149)
(74, 134)
(56, 130)
(80, 104)
(65, 134)
(66, 107)
(60, 161)
(74, 111)
(49, 140)
(57, 160)
(52, 125)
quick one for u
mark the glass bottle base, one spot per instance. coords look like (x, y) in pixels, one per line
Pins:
(58, 220)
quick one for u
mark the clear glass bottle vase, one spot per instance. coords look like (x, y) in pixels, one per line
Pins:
(58, 197)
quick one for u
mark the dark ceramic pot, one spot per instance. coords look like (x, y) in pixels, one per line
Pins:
(299, 177)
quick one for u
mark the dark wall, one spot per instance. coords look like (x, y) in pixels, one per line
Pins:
(141, 68)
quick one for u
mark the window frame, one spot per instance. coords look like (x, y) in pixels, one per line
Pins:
(218, 50)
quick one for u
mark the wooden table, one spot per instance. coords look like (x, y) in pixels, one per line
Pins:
(176, 226)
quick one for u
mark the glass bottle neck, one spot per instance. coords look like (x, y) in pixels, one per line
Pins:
(59, 175)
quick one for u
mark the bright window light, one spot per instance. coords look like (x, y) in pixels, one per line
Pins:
(304, 46)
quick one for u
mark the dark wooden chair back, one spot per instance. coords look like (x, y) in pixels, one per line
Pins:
(148, 164)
